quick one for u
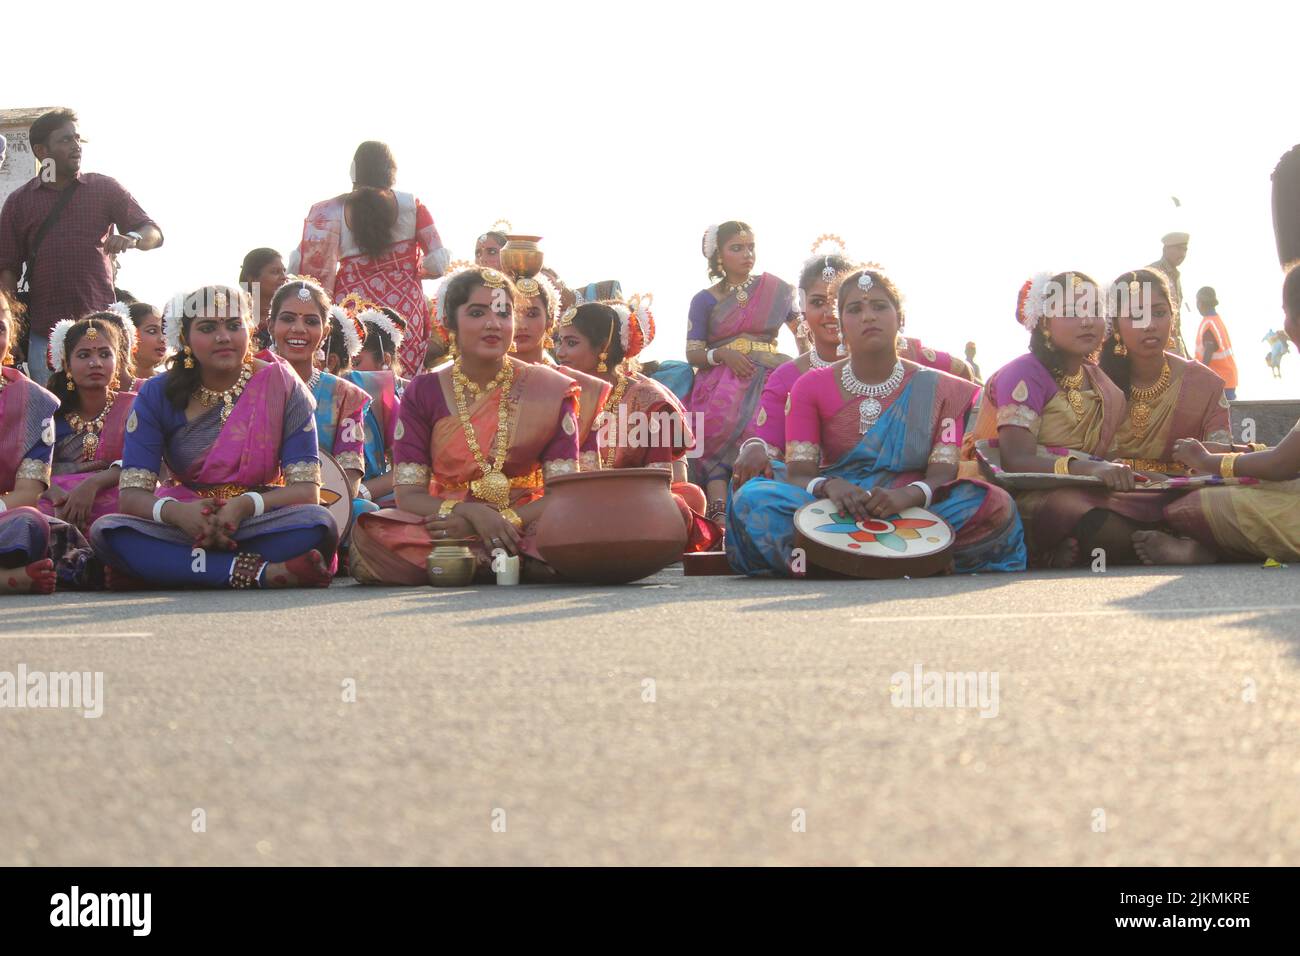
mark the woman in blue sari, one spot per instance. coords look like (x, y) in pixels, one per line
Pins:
(376, 370)
(873, 434)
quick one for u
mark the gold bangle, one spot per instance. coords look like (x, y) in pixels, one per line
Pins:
(510, 515)
(1227, 464)
(1258, 446)
(446, 507)
(1062, 466)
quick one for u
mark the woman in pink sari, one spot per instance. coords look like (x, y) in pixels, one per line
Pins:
(476, 440)
(26, 450)
(241, 508)
(90, 426)
(376, 242)
(731, 341)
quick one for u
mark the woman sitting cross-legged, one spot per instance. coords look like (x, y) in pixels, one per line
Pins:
(238, 436)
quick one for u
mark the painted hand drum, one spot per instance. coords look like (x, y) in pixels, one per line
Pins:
(334, 493)
(914, 543)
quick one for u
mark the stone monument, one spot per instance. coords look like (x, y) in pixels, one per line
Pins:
(19, 165)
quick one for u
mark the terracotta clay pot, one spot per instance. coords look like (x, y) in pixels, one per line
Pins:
(610, 527)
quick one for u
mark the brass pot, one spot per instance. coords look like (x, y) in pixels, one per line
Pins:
(450, 565)
(520, 256)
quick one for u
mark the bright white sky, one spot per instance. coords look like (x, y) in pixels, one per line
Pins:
(964, 146)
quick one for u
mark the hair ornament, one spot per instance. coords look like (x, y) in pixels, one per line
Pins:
(710, 242)
(373, 315)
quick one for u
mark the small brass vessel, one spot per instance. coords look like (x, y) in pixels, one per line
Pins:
(450, 565)
(520, 256)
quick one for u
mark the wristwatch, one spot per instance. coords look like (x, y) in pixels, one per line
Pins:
(135, 236)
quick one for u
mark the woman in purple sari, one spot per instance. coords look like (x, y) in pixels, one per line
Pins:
(731, 341)
(238, 436)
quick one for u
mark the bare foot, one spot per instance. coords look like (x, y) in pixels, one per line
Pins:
(305, 571)
(37, 578)
(1156, 547)
(1064, 555)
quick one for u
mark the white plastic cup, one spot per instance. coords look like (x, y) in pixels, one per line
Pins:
(506, 567)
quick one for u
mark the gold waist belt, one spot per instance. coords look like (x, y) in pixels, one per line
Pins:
(228, 490)
(531, 480)
(745, 346)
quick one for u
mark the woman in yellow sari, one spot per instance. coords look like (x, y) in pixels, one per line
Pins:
(1054, 411)
(1240, 522)
(475, 441)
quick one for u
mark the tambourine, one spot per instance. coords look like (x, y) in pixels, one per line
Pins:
(915, 542)
(334, 495)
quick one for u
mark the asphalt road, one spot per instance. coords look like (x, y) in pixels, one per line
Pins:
(1138, 717)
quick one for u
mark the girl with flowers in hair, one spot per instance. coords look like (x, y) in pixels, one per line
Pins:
(537, 313)
(26, 452)
(90, 425)
(1054, 410)
(476, 441)
(303, 323)
(376, 372)
(874, 434)
(241, 508)
(1242, 522)
(641, 424)
(376, 242)
(731, 341)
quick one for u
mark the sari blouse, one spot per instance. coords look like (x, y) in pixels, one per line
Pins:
(823, 426)
(27, 431)
(430, 449)
(1024, 393)
(268, 441)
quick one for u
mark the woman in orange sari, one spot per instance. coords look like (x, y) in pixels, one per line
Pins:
(90, 426)
(642, 424)
(1053, 410)
(475, 442)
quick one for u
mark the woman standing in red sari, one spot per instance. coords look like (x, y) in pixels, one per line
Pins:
(642, 424)
(476, 440)
(376, 242)
(90, 426)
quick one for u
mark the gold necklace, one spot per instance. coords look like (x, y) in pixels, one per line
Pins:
(611, 407)
(207, 397)
(91, 429)
(469, 385)
(1140, 413)
(740, 291)
(493, 487)
(1072, 384)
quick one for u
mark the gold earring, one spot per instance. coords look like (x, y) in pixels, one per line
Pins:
(72, 386)
(189, 357)
(451, 346)
(1120, 348)
(547, 341)
(601, 366)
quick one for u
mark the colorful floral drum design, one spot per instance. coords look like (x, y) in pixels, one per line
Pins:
(913, 542)
(334, 493)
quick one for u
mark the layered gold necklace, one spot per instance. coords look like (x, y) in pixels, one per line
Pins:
(1072, 385)
(611, 407)
(493, 487)
(91, 429)
(1141, 399)
(207, 397)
